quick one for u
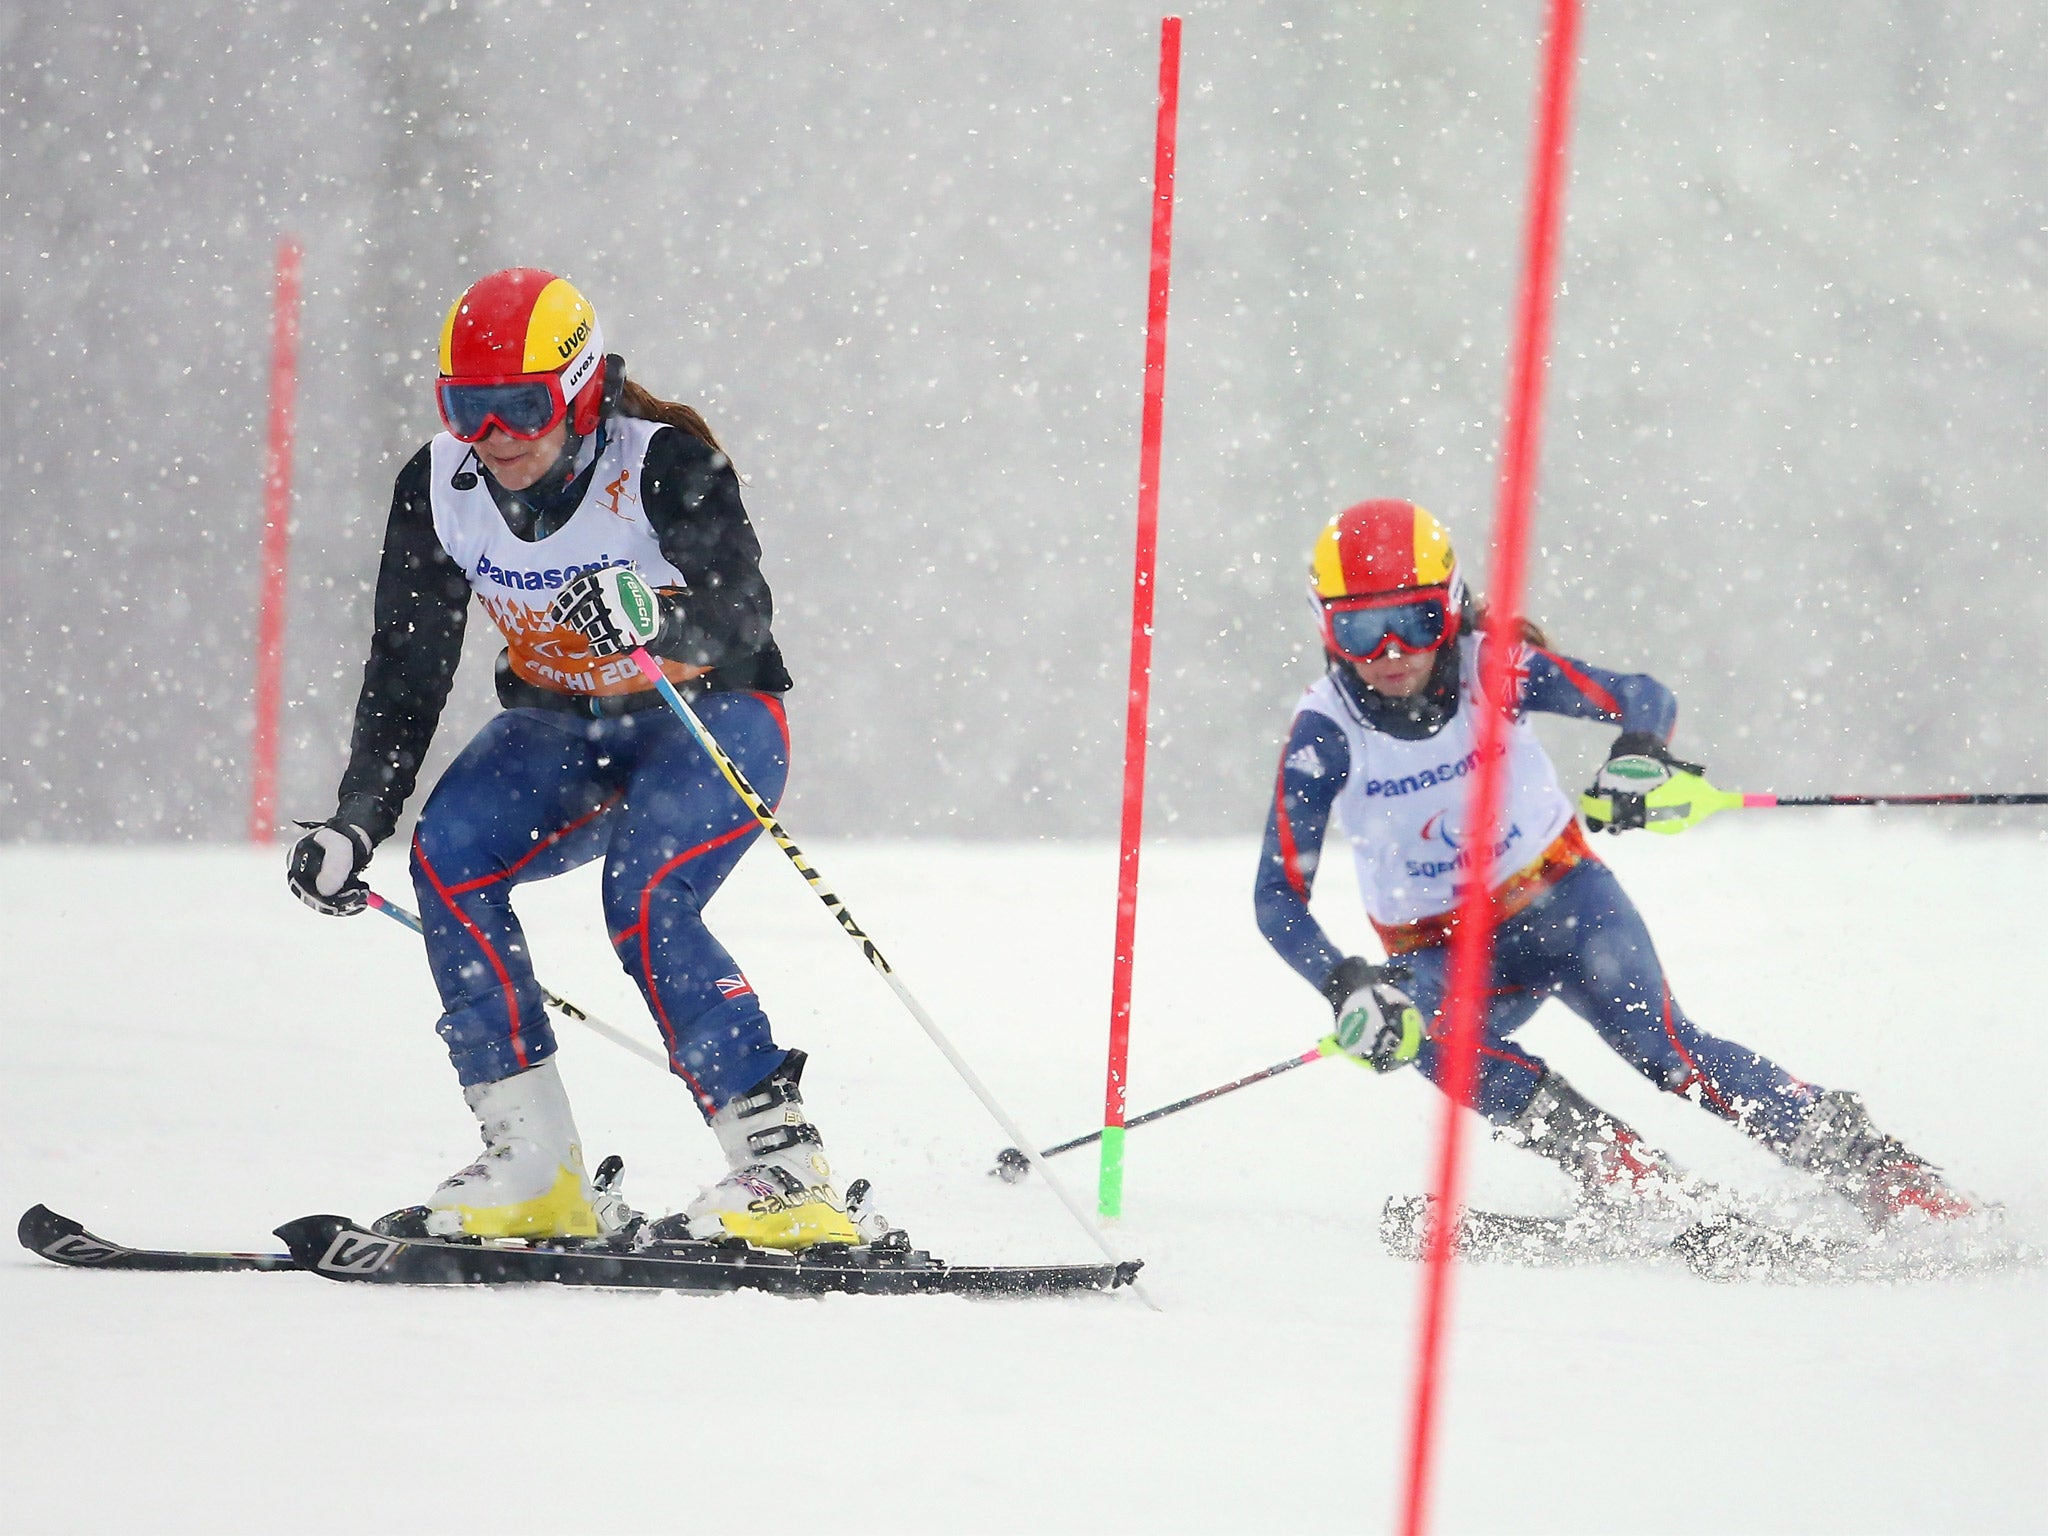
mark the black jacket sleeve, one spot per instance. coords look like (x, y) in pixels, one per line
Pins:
(422, 606)
(692, 500)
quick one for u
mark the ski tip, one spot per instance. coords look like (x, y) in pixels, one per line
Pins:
(39, 1224)
(310, 1237)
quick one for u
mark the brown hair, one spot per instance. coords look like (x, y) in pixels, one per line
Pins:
(636, 401)
(1526, 629)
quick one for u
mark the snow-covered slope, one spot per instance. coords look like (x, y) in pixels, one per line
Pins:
(190, 1057)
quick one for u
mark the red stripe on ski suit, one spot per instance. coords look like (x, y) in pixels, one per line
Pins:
(490, 954)
(668, 1028)
(1708, 1091)
(537, 849)
(1601, 699)
(1290, 854)
(668, 1031)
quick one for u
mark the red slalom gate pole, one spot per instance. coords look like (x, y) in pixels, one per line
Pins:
(1478, 915)
(277, 507)
(1138, 695)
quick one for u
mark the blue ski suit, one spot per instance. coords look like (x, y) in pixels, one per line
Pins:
(1571, 931)
(538, 792)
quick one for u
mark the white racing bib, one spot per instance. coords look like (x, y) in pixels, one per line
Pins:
(516, 580)
(1404, 803)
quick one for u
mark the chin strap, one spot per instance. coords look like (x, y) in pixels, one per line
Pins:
(571, 462)
(1416, 718)
(539, 500)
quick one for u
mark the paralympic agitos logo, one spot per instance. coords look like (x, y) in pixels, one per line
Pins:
(1438, 829)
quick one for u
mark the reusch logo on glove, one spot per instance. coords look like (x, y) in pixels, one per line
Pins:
(636, 600)
(1647, 769)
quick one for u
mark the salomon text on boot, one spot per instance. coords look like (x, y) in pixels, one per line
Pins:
(779, 1191)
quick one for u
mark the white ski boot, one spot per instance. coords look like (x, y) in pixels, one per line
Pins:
(779, 1192)
(1617, 1173)
(530, 1181)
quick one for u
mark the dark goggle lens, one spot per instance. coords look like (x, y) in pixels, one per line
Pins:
(524, 410)
(1364, 632)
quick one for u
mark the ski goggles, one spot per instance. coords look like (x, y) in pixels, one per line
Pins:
(1365, 628)
(524, 405)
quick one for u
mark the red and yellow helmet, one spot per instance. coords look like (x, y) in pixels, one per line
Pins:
(1384, 578)
(520, 350)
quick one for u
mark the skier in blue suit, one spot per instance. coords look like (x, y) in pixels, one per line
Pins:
(1387, 739)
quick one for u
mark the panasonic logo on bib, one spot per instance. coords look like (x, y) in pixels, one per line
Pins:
(537, 581)
(1409, 783)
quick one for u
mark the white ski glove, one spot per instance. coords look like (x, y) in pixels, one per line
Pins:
(1378, 1025)
(613, 608)
(326, 868)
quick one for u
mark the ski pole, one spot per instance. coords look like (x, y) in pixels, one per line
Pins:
(751, 797)
(563, 1006)
(1012, 1164)
(1765, 802)
(1686, 799)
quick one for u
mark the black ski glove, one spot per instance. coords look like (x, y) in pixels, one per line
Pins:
(1378, 1025)
(1637, 766)
(327, 865)
(613, 608)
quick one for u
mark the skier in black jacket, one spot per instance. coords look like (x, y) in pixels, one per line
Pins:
(588, 518)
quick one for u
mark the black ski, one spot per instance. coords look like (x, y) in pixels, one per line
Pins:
(1502, 1237)
(1730, 1247)
(339, 1249)
(63, 1241)
(1736, 1248)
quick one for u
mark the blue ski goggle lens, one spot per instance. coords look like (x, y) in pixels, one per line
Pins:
(1362, 629)
(525, 408)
